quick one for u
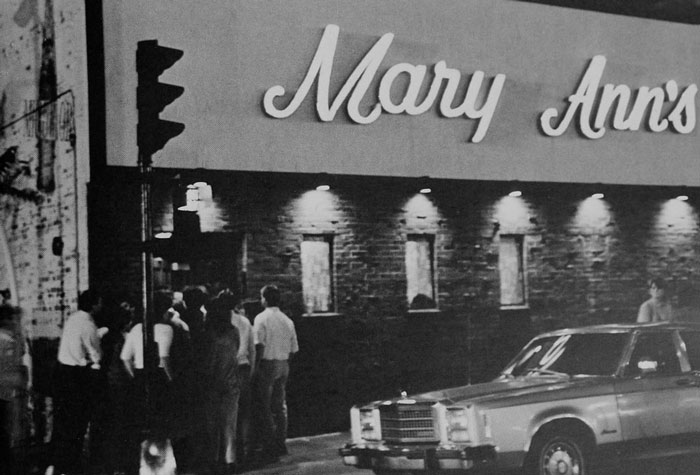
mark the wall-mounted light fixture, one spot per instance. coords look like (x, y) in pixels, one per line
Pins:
(323, 181)
(195, 194)
(191, 199)
(598, 196)
(424, 185)
(682, 197)
(515, 193)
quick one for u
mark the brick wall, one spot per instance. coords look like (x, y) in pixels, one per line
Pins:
(586, 263)
(43, 201)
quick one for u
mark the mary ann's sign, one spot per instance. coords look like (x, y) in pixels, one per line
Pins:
(591, 106)
(474, 90)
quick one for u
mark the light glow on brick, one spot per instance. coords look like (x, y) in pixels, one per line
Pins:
(316, 210)
(677, 215)
(593, 213)
(512, 213)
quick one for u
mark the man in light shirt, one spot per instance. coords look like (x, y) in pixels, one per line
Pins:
(79, 356)
(276, 342)
(246, 361)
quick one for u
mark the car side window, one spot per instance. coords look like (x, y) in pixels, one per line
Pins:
(692, 347)
(654, 353)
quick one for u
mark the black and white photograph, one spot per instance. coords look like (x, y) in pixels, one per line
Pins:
(325, 237)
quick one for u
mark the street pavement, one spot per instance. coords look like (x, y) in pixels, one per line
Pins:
(318, 455)
(315, 455)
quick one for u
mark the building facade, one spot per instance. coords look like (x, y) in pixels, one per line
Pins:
(559, 149)
(428, 188)
(44, 173)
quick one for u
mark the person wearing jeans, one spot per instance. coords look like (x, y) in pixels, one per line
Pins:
(275, 343)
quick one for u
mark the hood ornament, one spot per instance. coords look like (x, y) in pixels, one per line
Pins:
(404, 399)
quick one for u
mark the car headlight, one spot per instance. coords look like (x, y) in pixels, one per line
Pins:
(355, 429)
(370, 425)
(457, 424)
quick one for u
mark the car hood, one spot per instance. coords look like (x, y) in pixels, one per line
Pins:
(521, 390)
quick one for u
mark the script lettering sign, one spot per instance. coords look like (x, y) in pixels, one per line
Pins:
(356, 85)
(590, 106)
(627, 114)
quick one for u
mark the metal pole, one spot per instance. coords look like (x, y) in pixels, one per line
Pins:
(146, 174)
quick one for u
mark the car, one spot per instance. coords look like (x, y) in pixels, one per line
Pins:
(571, 400)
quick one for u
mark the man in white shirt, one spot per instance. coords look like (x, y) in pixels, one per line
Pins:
(276, 342)
(79, 356)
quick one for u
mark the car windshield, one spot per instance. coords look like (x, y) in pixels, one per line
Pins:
(574, 354)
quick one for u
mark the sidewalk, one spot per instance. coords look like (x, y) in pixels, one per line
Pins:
(304, 451)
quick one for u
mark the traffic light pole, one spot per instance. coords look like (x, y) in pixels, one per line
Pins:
(152, 133)
(146, 174)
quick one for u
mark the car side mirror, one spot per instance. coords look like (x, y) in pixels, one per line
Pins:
(647, 366)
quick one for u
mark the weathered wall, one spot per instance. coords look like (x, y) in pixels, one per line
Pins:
(587, 262)
(43, 193)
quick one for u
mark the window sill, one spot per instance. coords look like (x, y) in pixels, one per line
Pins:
(321, 315)
(424, 312)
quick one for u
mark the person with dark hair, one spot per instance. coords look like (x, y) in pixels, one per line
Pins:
(194, 299)
(658, 308)
(79, 358)
(133, 357)
(191, 448)
(125, 316)
(275, 344)
(220, 371)
(107, 421)
(246, 361)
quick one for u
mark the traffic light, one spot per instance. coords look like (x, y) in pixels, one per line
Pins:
(152, 133)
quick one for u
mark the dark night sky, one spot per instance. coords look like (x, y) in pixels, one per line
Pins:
(681, 11)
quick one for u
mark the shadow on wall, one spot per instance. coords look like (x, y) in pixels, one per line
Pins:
(686, 300)
(351, 360)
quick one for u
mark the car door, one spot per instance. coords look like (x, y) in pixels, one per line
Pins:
(657, 395)
(690, 345)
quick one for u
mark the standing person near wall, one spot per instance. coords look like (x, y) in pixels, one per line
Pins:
(119, 382)
(658, 308)
(246, 360)
(191, 388)
(220, 371)
(116, 316)
(79, 358)
(275, 344)
(133, 358)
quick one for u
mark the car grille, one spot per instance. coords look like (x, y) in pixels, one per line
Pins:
(407, 422)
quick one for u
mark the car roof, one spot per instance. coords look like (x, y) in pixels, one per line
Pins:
(624, 328)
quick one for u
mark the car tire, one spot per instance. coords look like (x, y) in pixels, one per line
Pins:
(557, 455)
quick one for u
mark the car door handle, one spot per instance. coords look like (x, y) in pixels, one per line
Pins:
(687, 382)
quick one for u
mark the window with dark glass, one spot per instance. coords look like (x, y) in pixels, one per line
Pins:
(654, 353)
(317, 273)
(596, 354)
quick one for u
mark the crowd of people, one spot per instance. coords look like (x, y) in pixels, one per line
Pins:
(210, 389)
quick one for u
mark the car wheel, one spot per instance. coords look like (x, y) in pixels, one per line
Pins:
(557, 455)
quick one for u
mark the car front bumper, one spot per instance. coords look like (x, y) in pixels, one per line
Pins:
(383, 457)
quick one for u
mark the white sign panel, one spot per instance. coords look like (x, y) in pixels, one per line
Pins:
(496, 90)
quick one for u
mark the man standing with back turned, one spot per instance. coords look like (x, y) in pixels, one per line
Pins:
(275, 344)
(79, 356)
